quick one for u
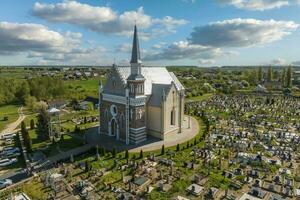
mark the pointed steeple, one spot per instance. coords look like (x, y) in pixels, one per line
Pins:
(135, 55)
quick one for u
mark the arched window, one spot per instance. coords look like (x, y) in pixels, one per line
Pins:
(131, 88)
(106, 115)
(122, 121)
(173, 117)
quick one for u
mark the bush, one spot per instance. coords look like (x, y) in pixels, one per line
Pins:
(141, 154)
(177, 147)
(162, 150)
(31, 124)
(114, 152)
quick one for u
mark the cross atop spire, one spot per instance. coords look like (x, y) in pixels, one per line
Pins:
(135, 55)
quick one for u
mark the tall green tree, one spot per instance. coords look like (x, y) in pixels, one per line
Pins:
(260, 75)
(289, 77)
(26, 137)
(141, 154)
(126, 154)
(162, 150)
(22, 91)
(270, 74)
(42, 126)
(31, 124)
(283, 78)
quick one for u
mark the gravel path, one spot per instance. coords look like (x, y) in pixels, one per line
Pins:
(12, 126)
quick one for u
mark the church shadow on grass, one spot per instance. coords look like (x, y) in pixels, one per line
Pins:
(110, 142)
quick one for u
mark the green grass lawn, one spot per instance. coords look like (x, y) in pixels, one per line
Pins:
(84, 88)
(49, 148)
(10, 111)
(69, 143)
(200, 98)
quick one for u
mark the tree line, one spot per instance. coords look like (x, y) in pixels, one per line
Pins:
(31, 90)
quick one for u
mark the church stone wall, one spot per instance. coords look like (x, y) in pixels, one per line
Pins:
(138, 117)
(172, 103)
(106, 116)
(114, 84)
(154, 125)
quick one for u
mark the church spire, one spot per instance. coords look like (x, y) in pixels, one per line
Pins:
(135, 55)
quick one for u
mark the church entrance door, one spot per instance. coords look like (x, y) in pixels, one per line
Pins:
(113, 127)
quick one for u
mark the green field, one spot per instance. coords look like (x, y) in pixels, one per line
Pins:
(10, 111)
(83, 88)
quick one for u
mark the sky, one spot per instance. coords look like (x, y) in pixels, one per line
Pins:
(171, 32)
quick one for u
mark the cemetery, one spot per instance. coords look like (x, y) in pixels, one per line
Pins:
(247, 148)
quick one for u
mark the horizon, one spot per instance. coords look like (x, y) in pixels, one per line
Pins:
(259, 33)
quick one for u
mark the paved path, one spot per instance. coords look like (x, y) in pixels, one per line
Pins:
(151, 144)
(12, 126)
(174, 138)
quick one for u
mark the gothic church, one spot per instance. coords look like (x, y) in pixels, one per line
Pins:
(139, 101)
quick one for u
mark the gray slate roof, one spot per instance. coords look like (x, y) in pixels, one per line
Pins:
(153, 75)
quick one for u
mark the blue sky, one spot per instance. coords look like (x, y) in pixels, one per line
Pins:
(172, 32)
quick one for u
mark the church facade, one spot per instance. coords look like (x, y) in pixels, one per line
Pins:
(139, 101)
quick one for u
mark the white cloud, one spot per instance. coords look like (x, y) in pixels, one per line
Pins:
(260, 5)
(127, 48)
(74, 12)
(170, 23)
(124, 48)
(241, 32)
(38, 41)
(296, 63)
(206, 61)
(103, 19)
(278, 61)
(15, 37)
(184, 50)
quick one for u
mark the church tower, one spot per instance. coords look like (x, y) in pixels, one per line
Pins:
(136, 95)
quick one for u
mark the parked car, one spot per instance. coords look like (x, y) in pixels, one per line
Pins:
(11, 149)
(4, 183)
(12, 155)
(6, 162)
(8, 141)
(7, 136)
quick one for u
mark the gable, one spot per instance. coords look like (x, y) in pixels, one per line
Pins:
(114, 84)
(153, 75)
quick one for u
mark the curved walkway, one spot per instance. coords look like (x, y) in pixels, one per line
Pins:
(151, 144)
(173, 139)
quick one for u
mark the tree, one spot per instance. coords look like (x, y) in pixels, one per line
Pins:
(283, 78)
(22, 91)
(177, 147)
(126, 154)
(114, 152)
(141, 154)
(26, 137)
(87, 166)
(31, 124)
(31, 102)
(162, 150)
(270, 74)
(43, 124)
(260, 75)
(289, 77)
(23, 127)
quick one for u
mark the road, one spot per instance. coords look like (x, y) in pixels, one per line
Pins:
(15, 175)
(13, 126)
